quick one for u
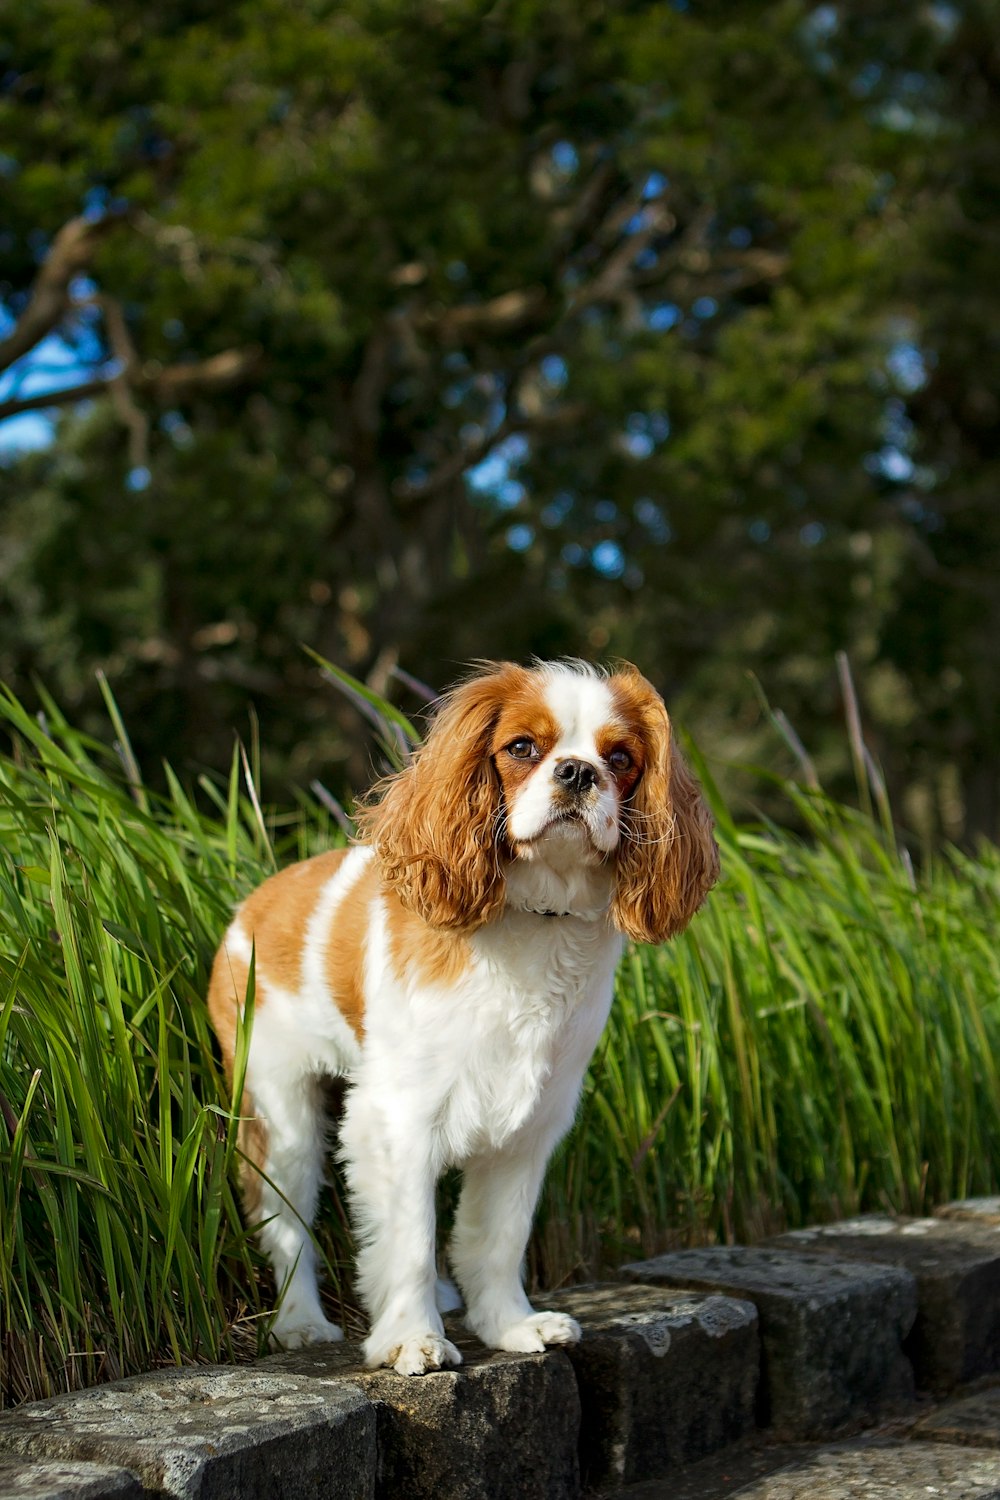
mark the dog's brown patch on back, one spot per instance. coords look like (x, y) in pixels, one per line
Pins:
(276, 916)
(346, 942)
(274, 919)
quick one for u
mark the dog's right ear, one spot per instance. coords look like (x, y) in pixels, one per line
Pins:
(667, 859)
(435, 827)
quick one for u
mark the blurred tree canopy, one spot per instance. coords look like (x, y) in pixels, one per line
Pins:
(421, 330)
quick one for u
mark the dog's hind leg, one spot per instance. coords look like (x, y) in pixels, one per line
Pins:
(287, 1139)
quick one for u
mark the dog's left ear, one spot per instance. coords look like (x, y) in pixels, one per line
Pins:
(667, 859)
(436, 828)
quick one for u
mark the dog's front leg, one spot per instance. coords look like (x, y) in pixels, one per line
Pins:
(388, 1152)
(487, 1247)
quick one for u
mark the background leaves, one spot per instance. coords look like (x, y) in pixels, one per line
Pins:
(427, 332)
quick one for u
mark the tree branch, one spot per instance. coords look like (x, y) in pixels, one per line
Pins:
(163, 385)
(456, 464)
(130, 413)
(503, 314)
(169, 383)
(617, 273)
(71, 252)
(578, 220)
(567, 415)
(701, 273)
(85, 391)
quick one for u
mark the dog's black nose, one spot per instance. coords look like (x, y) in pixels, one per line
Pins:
(575, 775)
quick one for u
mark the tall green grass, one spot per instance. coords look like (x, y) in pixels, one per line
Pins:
(121, 1244)
(823, 1039)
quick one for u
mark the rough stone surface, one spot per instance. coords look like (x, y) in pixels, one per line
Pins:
(890, 1471)
(956, 1263)
(978, 1210)
(504, 1426)
(214, 1434)
(21, 1479)
(831, 1332)
(664, 1377)
(971, 1419)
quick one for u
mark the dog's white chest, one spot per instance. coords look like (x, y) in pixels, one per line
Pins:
(536, 1007)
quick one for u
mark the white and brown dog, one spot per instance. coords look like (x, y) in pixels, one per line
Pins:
(457, 968)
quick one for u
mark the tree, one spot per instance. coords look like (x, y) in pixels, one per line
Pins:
(941, 636)
(428, 331)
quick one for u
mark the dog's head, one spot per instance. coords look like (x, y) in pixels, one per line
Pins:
(519, 757)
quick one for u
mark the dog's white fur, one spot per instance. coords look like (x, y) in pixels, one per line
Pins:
(458, 970)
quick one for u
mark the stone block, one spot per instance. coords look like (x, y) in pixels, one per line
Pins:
(60, 1479)
(211, 1434)
(665, 1377)
(831, 1331)
(870, 1471)
(956, 1265)
(504, 1426)
(974, 1420)
(977, 1210)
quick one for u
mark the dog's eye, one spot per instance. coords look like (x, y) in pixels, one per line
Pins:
(522, 749)
(619, 760)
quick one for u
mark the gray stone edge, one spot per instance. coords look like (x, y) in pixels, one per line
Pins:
(37, 1440)
(120, 1480)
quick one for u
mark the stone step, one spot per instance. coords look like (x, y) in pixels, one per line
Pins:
(976, 1210)
(973, 1419)
(859, 1469)
(663, 1376)
(510, 1422)
(211, 1432)
(60, 1479)
(955, 1263)
(660, 1379)
(961, 1461)
(831, 1331)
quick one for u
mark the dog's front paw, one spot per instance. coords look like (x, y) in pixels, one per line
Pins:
(296, 1331)
(416, 1355)
(532, 1334)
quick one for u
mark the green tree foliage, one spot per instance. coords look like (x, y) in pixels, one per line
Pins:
(941, 637)
(419, 331)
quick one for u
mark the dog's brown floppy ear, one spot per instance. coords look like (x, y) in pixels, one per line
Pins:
(667, 859)
(435, 830)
